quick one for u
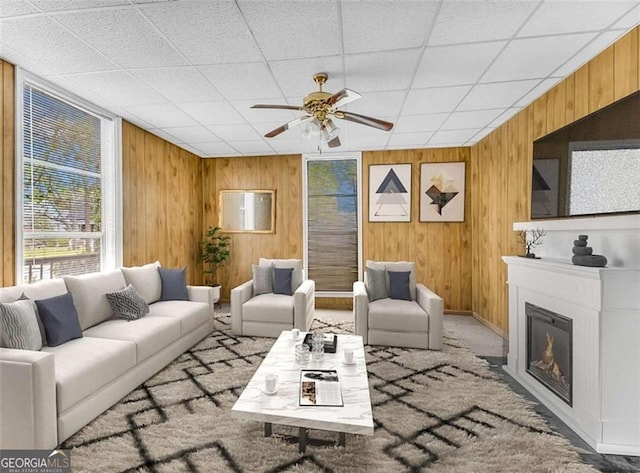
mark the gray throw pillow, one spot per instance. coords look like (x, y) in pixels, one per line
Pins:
(262, 279)
(19, 325)
(127, 303)
(399, 285)
(376, 284)
(282, 281)
(174, 284)
(60, 319)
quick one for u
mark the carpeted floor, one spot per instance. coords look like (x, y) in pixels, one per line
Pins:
(433, 411)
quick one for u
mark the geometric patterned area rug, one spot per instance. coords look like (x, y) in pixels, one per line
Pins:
(433, 411)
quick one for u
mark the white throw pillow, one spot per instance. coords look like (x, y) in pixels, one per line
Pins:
(146, 280)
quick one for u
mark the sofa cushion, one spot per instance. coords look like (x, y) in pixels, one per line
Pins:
(59, 318)
(190, 314)
(37, 290)
(376, 284)
(146, 280)
(282, 281)
(399, 285)
(397, 266)
(262, 279)
(89, 295)
(19, 325)
(174, 284)
(84, 365)
(150, 334)
(269, 308)
(397, 316)
(296, 264)
(127, 303)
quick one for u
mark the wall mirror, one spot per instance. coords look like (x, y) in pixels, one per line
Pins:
(247, 211)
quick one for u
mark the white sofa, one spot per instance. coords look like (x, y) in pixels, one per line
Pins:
(267, 315)
(46, 396)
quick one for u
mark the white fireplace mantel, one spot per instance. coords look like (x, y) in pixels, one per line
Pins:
(604, 306)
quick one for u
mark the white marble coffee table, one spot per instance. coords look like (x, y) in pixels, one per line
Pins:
(355, 417)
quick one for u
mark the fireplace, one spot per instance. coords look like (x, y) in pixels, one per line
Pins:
(549, 350)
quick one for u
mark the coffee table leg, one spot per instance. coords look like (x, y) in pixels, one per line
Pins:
(342, 439)
(302, 439)
(267, 429)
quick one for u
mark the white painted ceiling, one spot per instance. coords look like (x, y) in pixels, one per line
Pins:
(445, 72)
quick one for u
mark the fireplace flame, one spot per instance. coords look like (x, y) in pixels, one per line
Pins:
(548, 362)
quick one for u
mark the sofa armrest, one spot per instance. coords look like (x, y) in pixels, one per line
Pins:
(239, 295)
(202, 294)
(361, 310)
(28, 416)
(433, 305)
(304, 305)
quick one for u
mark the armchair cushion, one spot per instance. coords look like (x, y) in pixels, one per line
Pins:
(262, 279)
(376, 284)
(296, 264)
(273, 308)
(399, 285)
(397, 316)
(397, 266)
(282, 281)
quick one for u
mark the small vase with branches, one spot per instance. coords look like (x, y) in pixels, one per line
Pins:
(214, 252)
(530, 239)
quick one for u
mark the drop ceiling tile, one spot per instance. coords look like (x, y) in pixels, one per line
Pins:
(59, 5)
(499, 94)
(192, 134)
(118, 87)
(305, 28)
(136, 44)
(378, 104)
(408, 140)
(420, 123)
(251, 80)
(191, 149)
(164, 135)
(588, 52)
(504, 116)
(368, 142)
(381, 71)
(180, 84)
(440, 99)
(455, 65)
(452, 137)
(212, 113)
(41, 39)
(216, 149)
(471, 22)
(384, 17)
(537, 91)
(163, 115)
(478, 136)
(535, 58)
(293, 146)
(252, 148)
(235, 132)
(257, 115)
(629, 20)
(475, 119)
(14, 8)
(295, 76)
(206, 32)
(555, 17)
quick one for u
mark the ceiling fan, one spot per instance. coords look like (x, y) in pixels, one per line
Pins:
(319, 108)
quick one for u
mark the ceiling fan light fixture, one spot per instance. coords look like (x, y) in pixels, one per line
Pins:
(330, 130)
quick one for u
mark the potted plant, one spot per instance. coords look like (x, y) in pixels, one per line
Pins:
(214, 252)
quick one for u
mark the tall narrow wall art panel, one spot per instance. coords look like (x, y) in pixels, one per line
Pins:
(390, 193)
(442, 192)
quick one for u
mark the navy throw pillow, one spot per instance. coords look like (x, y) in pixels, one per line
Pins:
(60, 319)
(174, 284)
(282, 281)
(399, 285)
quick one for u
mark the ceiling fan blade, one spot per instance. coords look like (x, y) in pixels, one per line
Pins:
(278, 107)
(343, 97)
(334, 143)
(293, 123)
(364, 120)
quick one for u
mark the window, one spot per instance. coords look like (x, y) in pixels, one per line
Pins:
(332, 223)
(67, 181)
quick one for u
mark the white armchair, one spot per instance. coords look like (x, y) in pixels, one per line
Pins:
(256, 311)
(414, 321)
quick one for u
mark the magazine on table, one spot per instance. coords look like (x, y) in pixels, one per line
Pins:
(320, 388)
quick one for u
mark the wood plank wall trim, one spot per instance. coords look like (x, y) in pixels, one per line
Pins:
(501, 165)
(7, 174)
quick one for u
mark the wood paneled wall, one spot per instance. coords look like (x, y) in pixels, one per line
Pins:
(501, 166)
(162, 202)
(7, 174)
(282, 173)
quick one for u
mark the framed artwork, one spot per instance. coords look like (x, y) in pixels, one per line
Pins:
(442, 192)
(390, 193)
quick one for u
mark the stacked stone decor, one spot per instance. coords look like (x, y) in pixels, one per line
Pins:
(582, 254)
